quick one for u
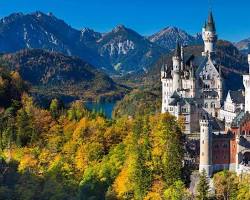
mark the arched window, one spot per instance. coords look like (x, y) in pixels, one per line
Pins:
(206, 105)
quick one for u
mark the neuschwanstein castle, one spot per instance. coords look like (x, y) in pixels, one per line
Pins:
(192, 89)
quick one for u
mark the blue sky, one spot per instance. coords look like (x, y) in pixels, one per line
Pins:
(145, 16)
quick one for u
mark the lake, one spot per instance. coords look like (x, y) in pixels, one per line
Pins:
(106, 107)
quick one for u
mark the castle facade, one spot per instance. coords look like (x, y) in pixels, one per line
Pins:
(192, 89)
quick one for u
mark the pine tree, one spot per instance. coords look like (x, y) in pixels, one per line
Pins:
(203, 186)
(54, 108)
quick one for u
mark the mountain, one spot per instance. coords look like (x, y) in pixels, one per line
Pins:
(243, 45)
(121, 50)
(54, 74)
(167, 37)
(44, 31)
(127, 50)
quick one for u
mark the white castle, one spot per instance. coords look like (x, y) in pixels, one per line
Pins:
(190, 91)
(193, 89)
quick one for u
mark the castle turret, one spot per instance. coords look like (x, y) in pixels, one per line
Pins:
(206, 147)
(164, 71)
(177, 68)
(246, 82)
(209, 36)
(220, 85)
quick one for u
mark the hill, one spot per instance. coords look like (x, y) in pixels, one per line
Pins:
(54, 74)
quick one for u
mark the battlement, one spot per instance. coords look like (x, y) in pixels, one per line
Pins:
(204, 122)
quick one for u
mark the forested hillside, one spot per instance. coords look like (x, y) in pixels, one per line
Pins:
(72, 153)
(52, 74)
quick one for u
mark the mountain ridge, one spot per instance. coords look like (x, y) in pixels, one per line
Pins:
(119, 51)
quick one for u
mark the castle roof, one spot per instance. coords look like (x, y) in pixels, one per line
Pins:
(177, 52)
(237, 96)
(240, 119)
(210, 25)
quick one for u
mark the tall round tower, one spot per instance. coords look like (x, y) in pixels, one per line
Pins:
(206, 147)
(177, 68)
(209, 35)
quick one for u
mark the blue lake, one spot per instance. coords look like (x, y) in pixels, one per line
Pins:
(105, 107)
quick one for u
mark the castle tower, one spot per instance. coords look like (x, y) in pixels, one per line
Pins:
(206, 147)
(246, 82)
(176, 68)
(209, 36)
(220, 85)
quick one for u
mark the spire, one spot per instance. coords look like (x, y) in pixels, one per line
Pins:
(210, 25)
(177, 50)
(205, 24)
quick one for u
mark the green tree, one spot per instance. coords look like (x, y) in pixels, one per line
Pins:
(25, 131)
(203, 186)
(177, 191)
(54, 108)
(76, 111)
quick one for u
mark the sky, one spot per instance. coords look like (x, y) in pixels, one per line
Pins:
(144, 16)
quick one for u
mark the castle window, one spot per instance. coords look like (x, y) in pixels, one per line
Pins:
(202, 141)
(224, 145)
(216, 146)
(202, 153)
(206, 105)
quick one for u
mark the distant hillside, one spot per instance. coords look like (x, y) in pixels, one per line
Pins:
(54, 74)
(243, 45)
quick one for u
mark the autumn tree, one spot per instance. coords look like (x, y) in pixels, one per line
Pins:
(244, 188)
(226, 184)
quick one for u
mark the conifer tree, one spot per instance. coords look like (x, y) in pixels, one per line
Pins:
(203, 186)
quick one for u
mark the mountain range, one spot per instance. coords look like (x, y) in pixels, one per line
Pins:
(120, 51)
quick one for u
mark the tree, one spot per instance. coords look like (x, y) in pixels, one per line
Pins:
(244, 188)
(76, 111)
(203, 186)
(177, 191)
(167, 148)
(226, 185)
(54, 108)
(25, 132)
